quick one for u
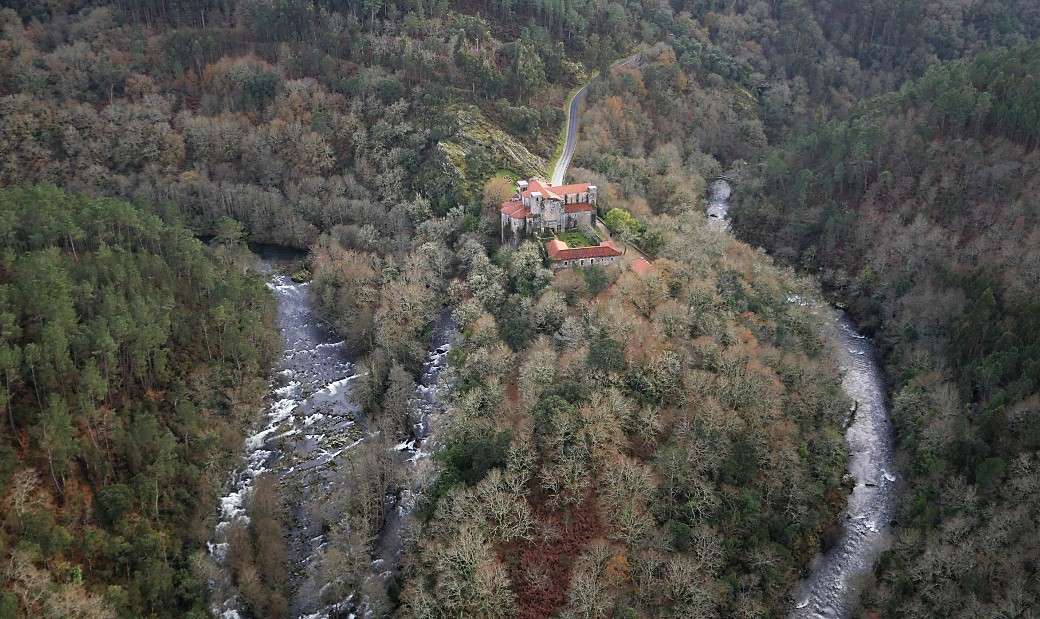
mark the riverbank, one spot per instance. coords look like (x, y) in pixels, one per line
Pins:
(311, 428)
(830, 589)
(310, 421)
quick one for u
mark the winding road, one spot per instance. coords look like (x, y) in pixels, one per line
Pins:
(560, 171)
(830, 589)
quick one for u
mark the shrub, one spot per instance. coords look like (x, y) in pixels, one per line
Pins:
(112, 503)
(741, 465)
(470, 461)
(607, 354)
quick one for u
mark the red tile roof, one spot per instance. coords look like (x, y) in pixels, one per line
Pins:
(640, 266)
(575, 188)
(558, 250)
(554, 247)
(548, 191)
(603, 251)
(515, 209)
(534, 185)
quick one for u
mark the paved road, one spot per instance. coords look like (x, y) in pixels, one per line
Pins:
(560, 171)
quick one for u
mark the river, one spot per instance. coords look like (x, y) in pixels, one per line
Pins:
(311, 421)
(718, 202)
(830, 589)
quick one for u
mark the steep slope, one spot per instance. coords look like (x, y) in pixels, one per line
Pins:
(920, 212)
(630, 445)
(131, 360)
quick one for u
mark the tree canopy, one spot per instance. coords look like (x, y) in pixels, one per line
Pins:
(130, 359)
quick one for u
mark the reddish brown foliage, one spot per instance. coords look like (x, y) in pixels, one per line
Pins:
(540, 570)
(512, 392)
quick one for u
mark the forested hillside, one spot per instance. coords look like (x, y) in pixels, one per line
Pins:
(372, 123)
(920, 211)
(626, 445)
(655, 132)
(656, 444)
(806, 59)
(290, 116)
(131, 359)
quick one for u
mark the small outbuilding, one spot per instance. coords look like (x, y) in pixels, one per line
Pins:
(640, 266)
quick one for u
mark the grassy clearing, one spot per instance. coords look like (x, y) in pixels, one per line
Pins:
(575, 238)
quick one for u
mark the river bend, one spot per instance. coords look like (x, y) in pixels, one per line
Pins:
(830, 589)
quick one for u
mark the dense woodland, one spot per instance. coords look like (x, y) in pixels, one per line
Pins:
(630, 445)
(289, 116)
(262, 121)
(920, 211)
(615, 445)
(130, 360)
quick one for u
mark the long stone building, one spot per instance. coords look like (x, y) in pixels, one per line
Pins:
(562, 256)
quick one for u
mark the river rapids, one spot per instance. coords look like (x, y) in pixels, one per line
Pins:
(310, 423)
(830, 589)
(312, 420)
